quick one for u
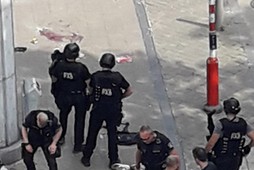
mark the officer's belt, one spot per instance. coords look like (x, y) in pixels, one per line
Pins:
(235, 154)
(106, 103)
(76, 92)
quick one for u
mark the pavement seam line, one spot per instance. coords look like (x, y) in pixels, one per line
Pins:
(157, 78)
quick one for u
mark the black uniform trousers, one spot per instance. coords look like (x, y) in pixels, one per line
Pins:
(100, 113)
(230, 163)
(79, 102)
(28, 157)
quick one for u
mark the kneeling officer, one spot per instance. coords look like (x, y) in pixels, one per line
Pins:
(153, 148)
(40, 129)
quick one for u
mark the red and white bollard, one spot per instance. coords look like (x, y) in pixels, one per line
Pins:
(212, 64)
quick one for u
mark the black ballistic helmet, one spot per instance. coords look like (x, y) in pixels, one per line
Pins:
(71, 51)
(107, 60)
(231, 105)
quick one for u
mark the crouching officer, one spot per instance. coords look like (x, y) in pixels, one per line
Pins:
(227, 140)
(71, 79)
(153, 148)
(40, 129)
(108, 89)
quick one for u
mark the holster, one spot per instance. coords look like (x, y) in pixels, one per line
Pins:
(58, 152)
(23, 150)
(126, 138)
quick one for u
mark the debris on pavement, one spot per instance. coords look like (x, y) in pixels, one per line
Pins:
(124, 59)
(20, 49)
(34, 41)
(53, 36)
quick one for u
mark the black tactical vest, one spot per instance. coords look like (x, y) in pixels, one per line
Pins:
(154, 153)
(107, 88)
(233, 139)
(71, 77)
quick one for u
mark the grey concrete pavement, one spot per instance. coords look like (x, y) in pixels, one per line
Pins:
(180, 32)
(247, 34)
(106, 26)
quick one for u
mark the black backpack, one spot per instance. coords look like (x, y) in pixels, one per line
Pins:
(126, 138)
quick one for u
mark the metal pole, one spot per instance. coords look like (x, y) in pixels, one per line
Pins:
(212, 64)
(9, 133)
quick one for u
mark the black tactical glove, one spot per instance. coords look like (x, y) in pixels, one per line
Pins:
(211, 157)
(56, 55)
(211, 113)
(246, 150)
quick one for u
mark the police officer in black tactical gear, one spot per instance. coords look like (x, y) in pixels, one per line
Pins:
(153, 148)
(40, 129)
(108, 88)
(56, 57)
(71, 78)
(228, 137)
